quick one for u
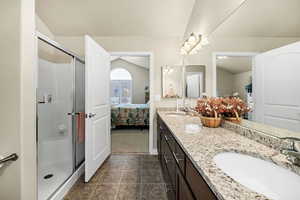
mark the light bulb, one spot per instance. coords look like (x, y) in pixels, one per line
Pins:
(192, 39)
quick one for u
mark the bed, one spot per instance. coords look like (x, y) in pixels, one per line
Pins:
(129, 115)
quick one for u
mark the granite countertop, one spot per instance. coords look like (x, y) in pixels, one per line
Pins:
(201, 147)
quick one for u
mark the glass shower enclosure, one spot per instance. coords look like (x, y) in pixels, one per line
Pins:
(60, 116)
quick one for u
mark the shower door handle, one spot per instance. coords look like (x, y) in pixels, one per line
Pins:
(73, 114)
(91, 115)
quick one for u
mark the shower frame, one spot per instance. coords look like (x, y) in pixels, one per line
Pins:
(75, 58)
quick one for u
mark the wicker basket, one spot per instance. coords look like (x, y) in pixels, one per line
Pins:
(211, 122)
(235, 119)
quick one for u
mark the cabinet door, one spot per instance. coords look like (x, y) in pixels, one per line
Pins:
(165, 162)
(159, 133)
(198, 185)
(183, 190)
(171, 165)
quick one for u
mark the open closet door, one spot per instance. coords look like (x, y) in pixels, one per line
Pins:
(97, 131)
(276, 87)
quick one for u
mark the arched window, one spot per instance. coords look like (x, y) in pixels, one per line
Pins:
(121, 86)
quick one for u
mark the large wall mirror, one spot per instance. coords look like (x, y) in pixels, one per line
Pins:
(267, 83)
(172, 81)
(194, 79)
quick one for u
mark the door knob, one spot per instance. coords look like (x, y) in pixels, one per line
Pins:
(91, 115)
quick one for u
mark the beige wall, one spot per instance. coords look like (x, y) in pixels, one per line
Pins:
(28, 112)
(17, 135)
(240, 80)
(224, 82)
(140, 79)
(10, 177)
(43, 28)
(165, 50)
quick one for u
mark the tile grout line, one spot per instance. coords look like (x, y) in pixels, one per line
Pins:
(119, 184)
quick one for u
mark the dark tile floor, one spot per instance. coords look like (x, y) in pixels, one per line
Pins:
(123, 177)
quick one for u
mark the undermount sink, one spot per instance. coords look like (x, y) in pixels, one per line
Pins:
(175, 114)
(260, 176)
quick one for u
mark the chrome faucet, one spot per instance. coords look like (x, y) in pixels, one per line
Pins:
(292, 154)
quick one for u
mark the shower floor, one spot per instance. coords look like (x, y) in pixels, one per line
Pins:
(60, 172)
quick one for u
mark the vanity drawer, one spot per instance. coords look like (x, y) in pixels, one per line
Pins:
(198, 186)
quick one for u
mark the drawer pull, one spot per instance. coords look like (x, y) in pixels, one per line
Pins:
(178, 159)
(166, 137)
(166, 159)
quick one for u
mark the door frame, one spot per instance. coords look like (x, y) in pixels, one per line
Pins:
(151, 84)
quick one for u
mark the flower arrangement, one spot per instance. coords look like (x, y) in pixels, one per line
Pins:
(210, 107)
(234, 107)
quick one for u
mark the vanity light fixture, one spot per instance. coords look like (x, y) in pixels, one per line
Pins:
(193, 44)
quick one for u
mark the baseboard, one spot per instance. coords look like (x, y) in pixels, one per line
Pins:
(153, 152)
(64, 189)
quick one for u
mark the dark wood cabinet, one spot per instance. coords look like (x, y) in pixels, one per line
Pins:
(183, 191)
(183, 181)
(199, 187)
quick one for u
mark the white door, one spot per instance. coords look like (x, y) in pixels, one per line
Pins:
(276, 87)
(97, 143)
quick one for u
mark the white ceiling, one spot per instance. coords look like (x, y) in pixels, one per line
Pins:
(116, 17)
(264, 18)
(142, 61)
(207, 14)
(245, 18)
(235, 65)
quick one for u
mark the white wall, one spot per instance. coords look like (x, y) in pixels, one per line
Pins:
(140, 79)
(54, 124)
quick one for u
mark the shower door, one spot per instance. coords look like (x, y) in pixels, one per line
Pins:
(55, 99)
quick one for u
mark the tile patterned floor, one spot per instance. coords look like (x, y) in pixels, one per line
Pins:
(123, 177)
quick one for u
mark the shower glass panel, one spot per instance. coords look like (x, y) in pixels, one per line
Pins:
(79, 123)
(54, 126)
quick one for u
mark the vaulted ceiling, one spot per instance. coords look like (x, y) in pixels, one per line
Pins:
(157, 18)
(263, 18)
(168, 18)
(245, 18)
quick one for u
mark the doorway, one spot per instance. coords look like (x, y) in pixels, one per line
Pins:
(131, 103)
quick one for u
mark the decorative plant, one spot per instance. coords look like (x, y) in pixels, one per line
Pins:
(234, 107)
(210, 107)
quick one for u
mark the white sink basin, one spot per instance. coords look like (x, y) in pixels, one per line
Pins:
(192, 128)
(260, 176)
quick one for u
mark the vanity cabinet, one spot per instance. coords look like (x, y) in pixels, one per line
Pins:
(183, 181)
